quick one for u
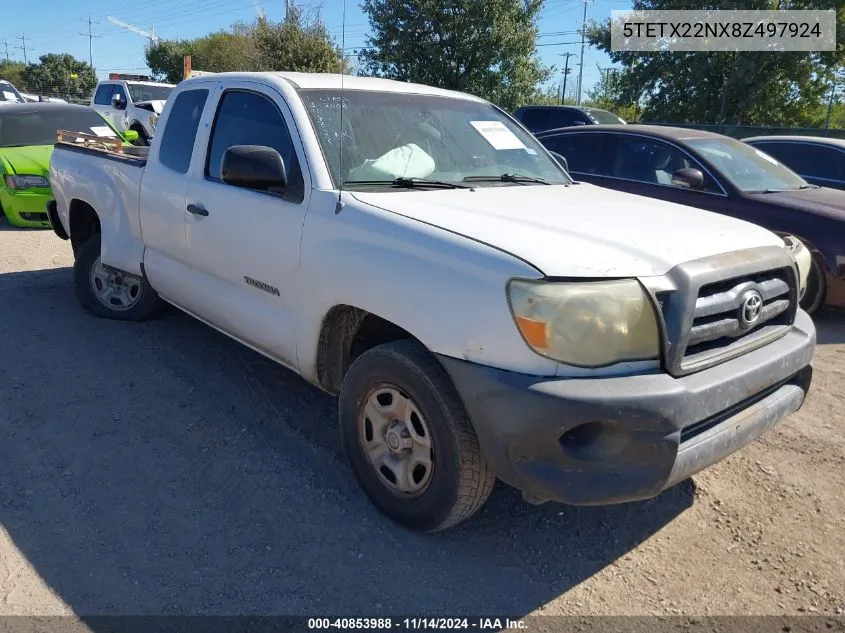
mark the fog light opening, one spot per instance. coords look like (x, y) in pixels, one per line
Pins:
(593, 441)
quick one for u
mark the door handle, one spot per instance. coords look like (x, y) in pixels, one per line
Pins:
(197, 209)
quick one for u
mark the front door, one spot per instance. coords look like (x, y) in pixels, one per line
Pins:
(243, 244)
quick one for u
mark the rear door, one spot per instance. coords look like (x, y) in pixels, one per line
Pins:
(243, 244)
(164, 188)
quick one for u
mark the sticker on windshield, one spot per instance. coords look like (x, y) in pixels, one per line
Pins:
(102, 130)
(11, 96)
(497, 134)
(765, 156)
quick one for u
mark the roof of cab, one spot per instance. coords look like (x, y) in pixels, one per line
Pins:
(316, 81)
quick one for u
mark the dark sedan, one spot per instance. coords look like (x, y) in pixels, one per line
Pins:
(818, 160)
(720, 174)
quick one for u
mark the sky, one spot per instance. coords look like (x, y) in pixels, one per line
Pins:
(58, 26)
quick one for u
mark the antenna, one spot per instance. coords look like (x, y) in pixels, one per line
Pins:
(340, 203)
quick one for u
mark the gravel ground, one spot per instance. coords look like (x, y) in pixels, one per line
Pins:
(160, 468)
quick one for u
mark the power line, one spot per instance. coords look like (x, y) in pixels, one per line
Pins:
(23, 38)
(90, 35)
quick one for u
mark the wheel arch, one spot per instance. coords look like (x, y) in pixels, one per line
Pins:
(346, 333)
(83, 222)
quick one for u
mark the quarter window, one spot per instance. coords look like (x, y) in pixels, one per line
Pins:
(180, 131)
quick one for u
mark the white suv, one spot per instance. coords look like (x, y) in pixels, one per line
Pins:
(131, 105)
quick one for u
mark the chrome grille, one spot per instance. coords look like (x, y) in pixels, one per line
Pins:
(701, 306)
(719, 315)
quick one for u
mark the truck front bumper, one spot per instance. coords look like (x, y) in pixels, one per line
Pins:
(611, 440)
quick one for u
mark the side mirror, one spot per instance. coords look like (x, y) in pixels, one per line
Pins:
(688, 177)
(117, 102)
(254, 167)
(130, 135)
(560, 160)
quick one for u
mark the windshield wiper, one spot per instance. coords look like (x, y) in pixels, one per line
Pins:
(507, 178)
(784, 190)
(409, 183)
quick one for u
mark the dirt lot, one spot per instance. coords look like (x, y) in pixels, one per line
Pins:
(161, 468)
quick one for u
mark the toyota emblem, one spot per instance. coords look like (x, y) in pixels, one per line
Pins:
(750, 309)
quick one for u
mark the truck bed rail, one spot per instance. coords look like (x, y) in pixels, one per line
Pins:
(111, 147)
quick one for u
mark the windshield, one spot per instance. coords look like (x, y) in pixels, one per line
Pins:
(748, 169)
(603, 116)
(39, 125)
(397, 135)
(145, 92)
(9, 93)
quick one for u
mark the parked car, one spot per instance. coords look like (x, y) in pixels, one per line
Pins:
(716, 173)
(130, 104)
(31, 98)
(27, 135)
(9, 94)
(425, 258)
(538, 118)
(818, 160)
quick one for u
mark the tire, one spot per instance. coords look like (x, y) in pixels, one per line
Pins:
(144, 303)
(459, 479)
(143, 140)
(816, 287)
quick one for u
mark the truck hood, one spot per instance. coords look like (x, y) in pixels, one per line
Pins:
(578, 231)
(157, 105)
(32, 161)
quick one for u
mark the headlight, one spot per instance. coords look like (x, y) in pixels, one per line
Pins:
(803, 259)
(588, 324)
(26, 182)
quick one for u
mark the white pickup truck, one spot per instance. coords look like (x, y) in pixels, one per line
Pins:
(418, 253)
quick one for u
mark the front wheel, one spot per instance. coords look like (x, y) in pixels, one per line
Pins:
(816, 288)
(108, 293)
(409, 440)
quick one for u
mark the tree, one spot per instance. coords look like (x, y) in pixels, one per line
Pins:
(743, 88)
(13, 73)
(484, 48)
(61, 75)
(297, 43)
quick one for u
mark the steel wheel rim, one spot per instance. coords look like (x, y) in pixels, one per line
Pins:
(396, 441)
(115, 291)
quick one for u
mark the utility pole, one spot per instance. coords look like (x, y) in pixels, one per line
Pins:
(7, 51)
(90, 35)
(606, 82)
(23, 38)
(581, 63)
(565, 75)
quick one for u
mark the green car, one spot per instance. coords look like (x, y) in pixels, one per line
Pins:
(27, 135)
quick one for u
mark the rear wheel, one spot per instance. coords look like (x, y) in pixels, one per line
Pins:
(816, 287)
(408, 439)
(108, 293)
